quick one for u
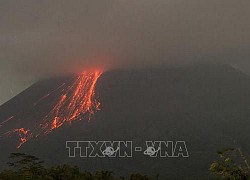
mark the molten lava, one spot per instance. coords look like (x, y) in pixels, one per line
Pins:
(77, 101)
(23, 135)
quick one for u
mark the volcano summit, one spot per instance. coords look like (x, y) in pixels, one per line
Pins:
(207, 106)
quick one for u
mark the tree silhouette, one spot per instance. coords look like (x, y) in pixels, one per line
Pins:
(231, 165)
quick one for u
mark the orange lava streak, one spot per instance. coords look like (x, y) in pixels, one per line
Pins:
(78, 100)
(23, 134)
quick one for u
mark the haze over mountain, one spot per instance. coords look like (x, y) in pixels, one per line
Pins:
(205, 105)
(42, 38)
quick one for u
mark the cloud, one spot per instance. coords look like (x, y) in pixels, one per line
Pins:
(43, 38)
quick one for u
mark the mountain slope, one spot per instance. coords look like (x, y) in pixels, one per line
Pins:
(205, 105)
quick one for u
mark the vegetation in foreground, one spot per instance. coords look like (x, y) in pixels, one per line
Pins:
(25, 167)
(231, 165)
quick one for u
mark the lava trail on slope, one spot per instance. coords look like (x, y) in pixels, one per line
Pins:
(77, 101)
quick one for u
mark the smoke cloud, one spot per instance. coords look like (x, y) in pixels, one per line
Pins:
(50, 37)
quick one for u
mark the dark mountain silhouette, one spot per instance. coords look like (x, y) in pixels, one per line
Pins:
(208, 106)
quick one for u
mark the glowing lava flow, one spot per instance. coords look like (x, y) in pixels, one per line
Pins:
(23, 135)
(77, 101)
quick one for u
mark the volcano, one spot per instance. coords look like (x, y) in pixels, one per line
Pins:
(76, 99)
(205, 105)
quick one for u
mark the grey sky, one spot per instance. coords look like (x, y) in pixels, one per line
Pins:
(42, 38)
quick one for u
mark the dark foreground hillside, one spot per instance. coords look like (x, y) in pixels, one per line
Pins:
(205, 105)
